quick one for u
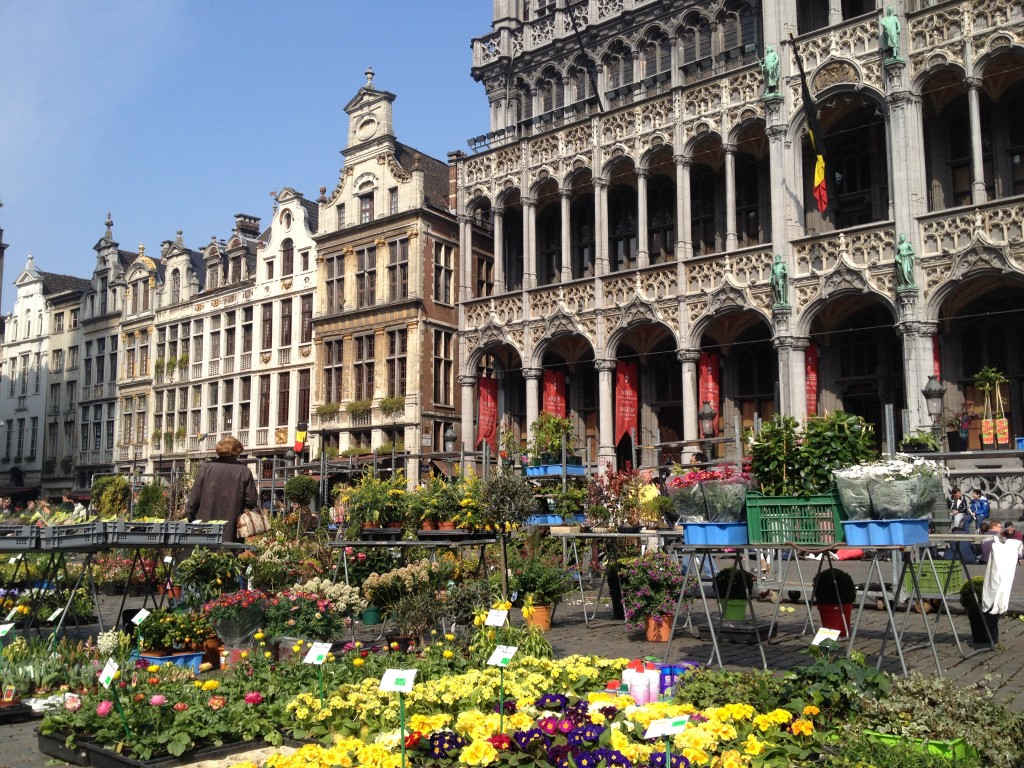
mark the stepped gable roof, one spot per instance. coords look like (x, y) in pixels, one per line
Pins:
(54, 283)
(435, 174)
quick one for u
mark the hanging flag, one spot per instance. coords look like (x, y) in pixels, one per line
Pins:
(707, 376)
(300, 437)
(554, 393)
(822, 171)
(936, 358)
(626, 375)
(811, 378)
(487, 418)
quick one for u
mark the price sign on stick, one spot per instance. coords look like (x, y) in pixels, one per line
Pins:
(140, 617)
(53, 616)
(496, 618)
(107, 675)
(168, 559)
(13, 613)
(825, 634)
(502, 656)
(5, 628)
(399, 680)
(670, 726)
(317, 653)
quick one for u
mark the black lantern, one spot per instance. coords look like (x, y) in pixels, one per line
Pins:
(933, 392)
(449, 439)
(706, 415)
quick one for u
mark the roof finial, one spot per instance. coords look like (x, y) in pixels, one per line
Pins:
(110, 223)
(142, 250)
(179, 240)
(369, 77)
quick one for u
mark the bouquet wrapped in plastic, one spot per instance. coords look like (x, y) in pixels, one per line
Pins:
(236, 616)
(709, 495)
(900, 488)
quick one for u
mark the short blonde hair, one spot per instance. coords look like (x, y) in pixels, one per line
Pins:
(229, 448)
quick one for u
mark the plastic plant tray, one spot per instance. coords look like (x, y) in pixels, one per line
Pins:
(128, 534)
(18, 538)
(78, 536)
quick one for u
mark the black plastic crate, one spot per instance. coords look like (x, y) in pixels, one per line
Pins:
(129, 534)
(79, 536)
(194, 534)
(18, 538)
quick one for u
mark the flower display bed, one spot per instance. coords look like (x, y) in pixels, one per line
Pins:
(54, 746)
(101, 757)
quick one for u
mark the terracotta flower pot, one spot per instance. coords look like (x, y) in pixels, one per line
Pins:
(659, 632)
(446, 525)
(540, 618)
(833, 616)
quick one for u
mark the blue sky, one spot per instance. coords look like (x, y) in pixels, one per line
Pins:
(178, 114)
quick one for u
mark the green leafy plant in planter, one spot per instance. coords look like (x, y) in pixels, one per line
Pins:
(984, 626)
(651, 585)
(171, 365)
(158, 367)
(775, 457)
(734, 584)
(357, 408)
(988, 381)
(301, 489)
(833, 586)
(183, 360)
(919, 442)
(506, 500)
(392, 405)
(152, 501)
(548, 431)
(326, 410)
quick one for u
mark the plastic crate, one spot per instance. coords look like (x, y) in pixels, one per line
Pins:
(899, 533)
(194, 534)
(957, 749)
(18, 538)
(555, 470)
(544, 520)
(949, 582)
(78, 536)
(188, 660)
(806, 520)
(129, 534)
(715, 534)
(857, 532)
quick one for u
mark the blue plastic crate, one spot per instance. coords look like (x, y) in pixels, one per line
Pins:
(858, 532)
(555, 470)
(715, 534)
(544, 520)
(187, 660)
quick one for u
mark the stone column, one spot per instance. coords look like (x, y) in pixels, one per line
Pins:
(499, 249)
(467, 432)
(730, 197)
(529, 242)
(643, 248)
(684, 227)
(792, 375)
(606, 411)
(909, 183)
(978, 193)
(601, 226)
(917, 366)
(565, 199)
(466, 256)
(532, 377)
(780, 201)
(691, 427)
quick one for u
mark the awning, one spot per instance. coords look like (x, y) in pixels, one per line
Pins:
(442, 467)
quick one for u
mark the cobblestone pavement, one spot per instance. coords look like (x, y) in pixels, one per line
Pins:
(606, 636)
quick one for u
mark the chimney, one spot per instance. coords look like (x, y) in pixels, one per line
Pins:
(246, 225)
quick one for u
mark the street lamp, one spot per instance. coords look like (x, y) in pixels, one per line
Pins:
(706, 417)
(933, 392)
(449, 439)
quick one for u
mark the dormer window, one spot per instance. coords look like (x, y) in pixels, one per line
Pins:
(236, 269)
(175, 287)
(366, 208)
(287, 258)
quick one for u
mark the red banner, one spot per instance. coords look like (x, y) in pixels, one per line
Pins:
(936, 358)
(811, 378)
(554, 393)
(626, 376)
(707, 377)
(487, 417)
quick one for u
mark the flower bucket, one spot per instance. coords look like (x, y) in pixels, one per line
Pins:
(540, 618)
(371, 615)
(734, 610)
(659, 629)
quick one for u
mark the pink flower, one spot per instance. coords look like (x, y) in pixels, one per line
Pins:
(157, 699)
(72, 703)
(103, 708)
(181, 706)
(254, 697)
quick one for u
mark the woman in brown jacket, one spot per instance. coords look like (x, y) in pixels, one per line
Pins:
(223, 488)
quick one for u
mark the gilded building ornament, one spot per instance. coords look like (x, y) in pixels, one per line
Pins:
(280, 435)
(833, 73)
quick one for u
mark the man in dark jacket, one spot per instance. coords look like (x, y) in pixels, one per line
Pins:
(223, 489)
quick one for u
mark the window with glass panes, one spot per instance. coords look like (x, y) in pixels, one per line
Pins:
(443, 367)
(306, 319)
(333, 371)
(397, 361)
(366, 208)
(286, 322)
(363, 367)
(244, 397)
(284, 388)
(398, 270)
(227, 410)
(334, 284)
(267, 325)
(264, 416)
(366, 276)
(443, 273)
(303, 400)
(287, 258)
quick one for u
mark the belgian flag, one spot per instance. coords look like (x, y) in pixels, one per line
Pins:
(822, 170)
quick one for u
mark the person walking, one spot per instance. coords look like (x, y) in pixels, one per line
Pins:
(223, 489)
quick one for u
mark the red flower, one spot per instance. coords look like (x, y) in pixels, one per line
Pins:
(500, 741)
(413, 739)
(254, 697)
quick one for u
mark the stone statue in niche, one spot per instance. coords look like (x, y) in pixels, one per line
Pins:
(904, 263)
(891, 32)
(770, 70)
(779, 282)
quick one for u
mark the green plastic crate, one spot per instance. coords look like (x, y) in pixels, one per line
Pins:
(955, 750)
(949, 583)
(803, 520)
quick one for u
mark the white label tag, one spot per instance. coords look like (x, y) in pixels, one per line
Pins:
(399, 680)
(168, 559)
(825, 634)
(141, 616)
(496, 618)
(317, 653)
(13, 613)
(5, 628)
(502, 655)
(55, 614)
(670, 726)
(107, 675)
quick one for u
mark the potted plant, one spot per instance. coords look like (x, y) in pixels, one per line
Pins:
(359, 408)
(183, 360)
(236, 616)
(920, 442)
(984, 626)
(392, 405)
(327, 410)
(734, 587)
(833, 592)
(958, 425)
(995, 428)
(301, 489)
(540, 579)
(651, 588)
(547, 434)
(506, 500)
(171, 365)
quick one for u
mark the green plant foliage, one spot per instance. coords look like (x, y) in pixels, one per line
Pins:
(921, 441)
(706, 687)
(831, 581)
(506, 497)
(301, 488)
(110, 495)
(391, 406)
(547, 432)
(970, 594)
(775, 458)
(837, 685)
(359, 407)
(734, 584)
(152, 501)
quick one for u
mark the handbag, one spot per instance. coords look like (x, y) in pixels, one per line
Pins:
(252, 522)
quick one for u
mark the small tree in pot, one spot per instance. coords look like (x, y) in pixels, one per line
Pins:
(834, 592)
(984, 626)
(734, 587)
